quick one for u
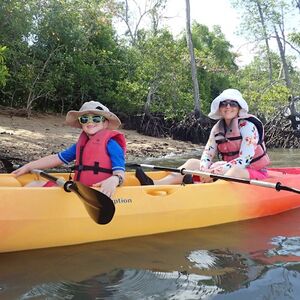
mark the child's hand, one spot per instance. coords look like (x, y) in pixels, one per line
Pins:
(22, 170)
(108, 186)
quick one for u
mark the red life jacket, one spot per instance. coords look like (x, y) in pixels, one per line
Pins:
(93, 164)
(229, 141)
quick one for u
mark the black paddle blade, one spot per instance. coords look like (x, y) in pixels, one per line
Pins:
(99, 206)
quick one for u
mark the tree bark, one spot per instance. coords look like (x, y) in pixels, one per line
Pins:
(297, 3)
(283, 60)
(197, 110)
(262, 20)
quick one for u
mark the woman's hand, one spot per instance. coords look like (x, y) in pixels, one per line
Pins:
(108, 186)
(205, 179)
(218, 167)
(215, 168)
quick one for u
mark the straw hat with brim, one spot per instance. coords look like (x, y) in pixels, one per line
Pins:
(229, 94)
(95, 108)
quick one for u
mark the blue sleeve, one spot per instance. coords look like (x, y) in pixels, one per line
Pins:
(68, 155)
(116, 154)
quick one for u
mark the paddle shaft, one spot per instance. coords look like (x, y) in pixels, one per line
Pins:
(277, 186)
(58, 181)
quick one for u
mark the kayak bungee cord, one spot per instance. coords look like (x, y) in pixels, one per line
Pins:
(277, 185)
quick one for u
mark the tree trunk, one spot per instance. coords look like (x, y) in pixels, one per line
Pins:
(192, 60)
(283, 60)
(297, 3)
(262, 20)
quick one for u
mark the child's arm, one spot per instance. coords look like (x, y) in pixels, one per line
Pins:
(46, 162)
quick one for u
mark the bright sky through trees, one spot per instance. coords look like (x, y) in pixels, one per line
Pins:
(209, 13)
(220, 12)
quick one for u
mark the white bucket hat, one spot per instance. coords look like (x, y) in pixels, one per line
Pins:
(229, 94)
(92, 107)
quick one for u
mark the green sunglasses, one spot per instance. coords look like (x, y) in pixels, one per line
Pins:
(91, 119)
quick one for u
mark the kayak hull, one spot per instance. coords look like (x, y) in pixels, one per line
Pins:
(34, 217)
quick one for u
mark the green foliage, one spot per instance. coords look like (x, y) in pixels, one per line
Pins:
(67, 56)
(264, 98)
(215, 61)
(3, 68)
(266, 103)
(295, 38)
(158, 72)
(60, 53)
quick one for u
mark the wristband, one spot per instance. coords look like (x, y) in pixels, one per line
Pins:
(121, 180)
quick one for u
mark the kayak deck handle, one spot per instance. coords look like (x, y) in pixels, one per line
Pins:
(160, 191)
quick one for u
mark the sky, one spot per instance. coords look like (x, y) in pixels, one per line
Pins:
(210, 13)
(213, 12)
(207, 12)
(221, 12)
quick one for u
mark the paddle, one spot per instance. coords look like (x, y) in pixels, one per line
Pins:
(99, 206)
(277, 186)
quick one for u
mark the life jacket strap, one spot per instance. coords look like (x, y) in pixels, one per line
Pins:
(237, 152)
(95, 168)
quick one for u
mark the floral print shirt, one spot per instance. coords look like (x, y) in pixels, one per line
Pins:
(249, 143)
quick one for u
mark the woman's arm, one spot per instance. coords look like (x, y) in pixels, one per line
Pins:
(209, 153)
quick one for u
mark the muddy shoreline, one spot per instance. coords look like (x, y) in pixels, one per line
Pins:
(24, 139)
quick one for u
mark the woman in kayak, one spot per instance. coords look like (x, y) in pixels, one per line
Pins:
(99, 151)
(237, 137)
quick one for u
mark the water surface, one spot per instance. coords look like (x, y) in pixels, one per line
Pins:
(256, 259)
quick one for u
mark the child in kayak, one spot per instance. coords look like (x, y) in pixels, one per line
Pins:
(238, 138)
(99, 151)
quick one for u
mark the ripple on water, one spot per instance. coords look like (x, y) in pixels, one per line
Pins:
(130, 284)
(285, 246)
(222, 274)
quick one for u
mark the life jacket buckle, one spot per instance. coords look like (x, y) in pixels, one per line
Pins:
(96, 167)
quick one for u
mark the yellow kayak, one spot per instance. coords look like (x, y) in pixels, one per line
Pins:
(33, 217)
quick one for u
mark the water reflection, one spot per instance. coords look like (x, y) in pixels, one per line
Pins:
(285, 246)
(256, 282)
(244, 259)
